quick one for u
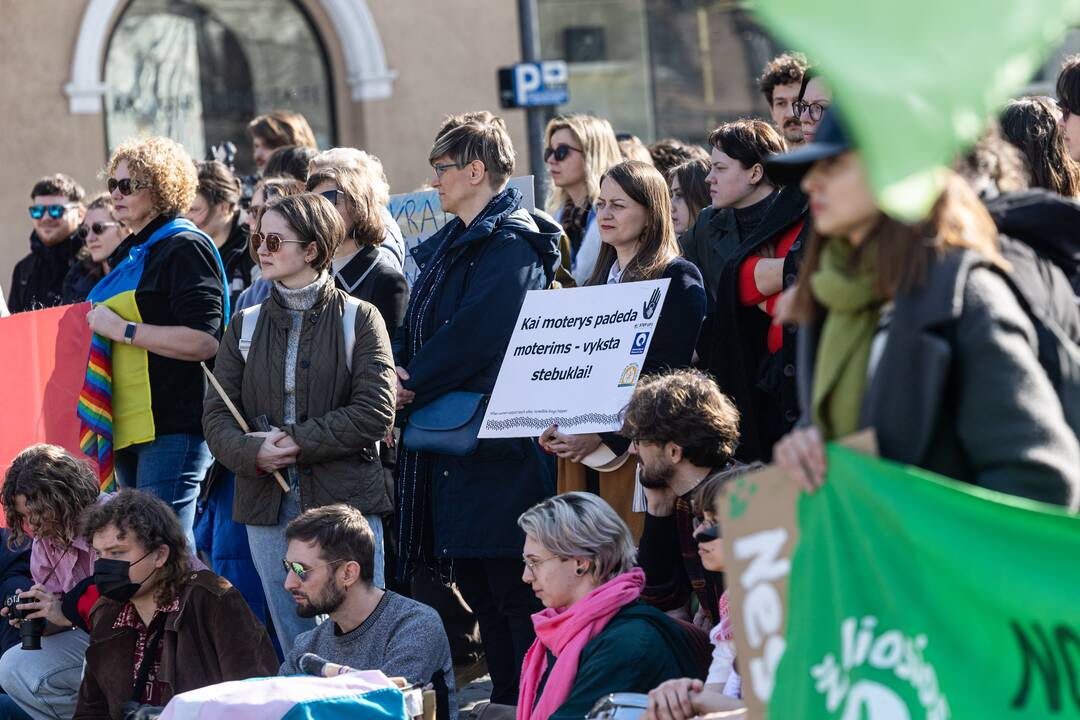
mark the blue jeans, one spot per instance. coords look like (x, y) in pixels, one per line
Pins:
(172, 468)
(44, 684)
(268, 549)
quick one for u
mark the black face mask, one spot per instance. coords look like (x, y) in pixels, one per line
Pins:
(112, 578)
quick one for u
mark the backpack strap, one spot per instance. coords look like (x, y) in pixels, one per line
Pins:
(247, 329)
(348, 328)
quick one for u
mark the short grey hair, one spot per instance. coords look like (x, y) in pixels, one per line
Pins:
(474, 138)
(581, 525)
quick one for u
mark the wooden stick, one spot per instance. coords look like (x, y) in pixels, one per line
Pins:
(238, 417)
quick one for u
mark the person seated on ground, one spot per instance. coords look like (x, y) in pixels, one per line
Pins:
(682, 429)
(684, 698)
(595, 636)
(45, 491)
(161, 627)
(14, 576)
(330, 567)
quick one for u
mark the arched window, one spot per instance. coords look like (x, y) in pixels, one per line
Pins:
(198, 71)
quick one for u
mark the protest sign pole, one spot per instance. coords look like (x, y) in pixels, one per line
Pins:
(238, 417)
(529, 28)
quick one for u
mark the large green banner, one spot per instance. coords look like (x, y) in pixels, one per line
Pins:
(914, 596)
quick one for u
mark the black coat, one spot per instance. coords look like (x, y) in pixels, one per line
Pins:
(236, 257)
(492, 263)
(366, 277)
(38, 279)
(959, 390)
(761, 384)
(1047, 222)
(677, 330)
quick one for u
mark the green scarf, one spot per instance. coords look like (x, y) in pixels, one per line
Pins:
(853, 307)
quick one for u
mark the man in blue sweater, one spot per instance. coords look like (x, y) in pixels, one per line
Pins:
(330, 565)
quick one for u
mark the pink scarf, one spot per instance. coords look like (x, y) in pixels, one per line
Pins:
(565, 632)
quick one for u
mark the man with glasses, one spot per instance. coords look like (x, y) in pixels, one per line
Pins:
(1068, 98)
(56, 209)
(329, 570)
(683, 430)
(780, 83)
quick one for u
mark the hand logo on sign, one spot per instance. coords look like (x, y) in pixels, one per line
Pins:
(649, 308)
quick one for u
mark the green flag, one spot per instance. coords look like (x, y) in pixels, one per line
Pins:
(917, 79)
(914, 596)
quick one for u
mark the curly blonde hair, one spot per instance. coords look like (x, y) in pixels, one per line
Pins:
(166, 166)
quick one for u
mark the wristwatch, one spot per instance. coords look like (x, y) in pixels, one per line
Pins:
(129, 333)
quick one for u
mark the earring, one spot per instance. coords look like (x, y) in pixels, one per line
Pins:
(580, 571)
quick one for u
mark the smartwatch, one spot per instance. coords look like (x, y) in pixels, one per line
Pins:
(129, 333)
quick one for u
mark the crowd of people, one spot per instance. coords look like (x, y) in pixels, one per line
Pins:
(303, 501)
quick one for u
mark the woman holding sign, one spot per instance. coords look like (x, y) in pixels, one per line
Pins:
(633, 211)
(914, 331)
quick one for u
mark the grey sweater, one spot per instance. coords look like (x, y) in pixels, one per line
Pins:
(401, 637)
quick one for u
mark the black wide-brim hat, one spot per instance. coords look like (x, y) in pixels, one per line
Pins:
(831, 140)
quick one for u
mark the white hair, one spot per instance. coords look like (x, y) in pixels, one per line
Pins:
(581, 525)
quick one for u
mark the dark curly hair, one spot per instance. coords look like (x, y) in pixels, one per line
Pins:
(783, 70)
(668, 152)
(153, 523)
(687, 408)
(57, 487)
(1031, 124)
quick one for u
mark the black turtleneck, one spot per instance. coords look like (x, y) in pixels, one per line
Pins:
(38, 280)
(748, 218)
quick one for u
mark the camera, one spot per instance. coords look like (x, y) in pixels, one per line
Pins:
(29, 630)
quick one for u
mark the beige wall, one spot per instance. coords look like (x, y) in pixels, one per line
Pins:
(445, 56)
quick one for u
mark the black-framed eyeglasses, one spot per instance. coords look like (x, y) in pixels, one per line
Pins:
(560, 152)
(331, 195)
(55, 211)
(126, 185)
(441, 168)
(273, 241)
(816, 109)
(300, 571)
(98, 228)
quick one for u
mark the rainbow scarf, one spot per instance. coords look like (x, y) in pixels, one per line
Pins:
(115, 409)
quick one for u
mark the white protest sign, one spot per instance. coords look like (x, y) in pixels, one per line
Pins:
(574, 359)
(420, 215)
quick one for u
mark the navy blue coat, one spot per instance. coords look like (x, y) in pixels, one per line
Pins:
(493, 262)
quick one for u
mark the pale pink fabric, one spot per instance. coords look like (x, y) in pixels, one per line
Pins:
(60, 567)
(566, 632)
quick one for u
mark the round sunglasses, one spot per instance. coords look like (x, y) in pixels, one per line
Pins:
(126, 186)
(98, 228)
(273, 241)
(560, 152)
(55, 211)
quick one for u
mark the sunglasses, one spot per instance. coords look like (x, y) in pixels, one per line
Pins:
(55, 211)
(273, 241)
(300, 571)
(707, 533)
(331, 195)
(126, 186)
(560, 152)
(98, 228)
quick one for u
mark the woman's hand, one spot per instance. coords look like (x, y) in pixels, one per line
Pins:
(44, 604)
(277, 451)
(671, 700)
(571, 447)
(404, 397)
(106, 323)
(802, 453)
